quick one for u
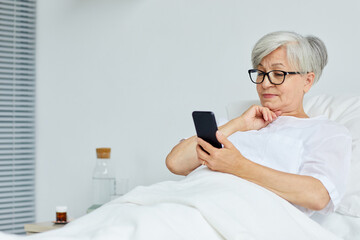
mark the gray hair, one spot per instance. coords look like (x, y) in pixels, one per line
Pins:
(306, 54)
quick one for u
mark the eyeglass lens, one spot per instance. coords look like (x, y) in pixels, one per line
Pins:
(276, 77)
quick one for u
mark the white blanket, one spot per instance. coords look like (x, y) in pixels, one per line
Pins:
(205, 205)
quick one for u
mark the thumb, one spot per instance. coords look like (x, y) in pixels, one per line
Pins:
(223, 140)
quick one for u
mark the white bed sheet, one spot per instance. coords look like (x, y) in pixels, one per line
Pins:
(205, 205)
(346, 227)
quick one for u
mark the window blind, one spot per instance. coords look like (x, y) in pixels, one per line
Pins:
(17, 114)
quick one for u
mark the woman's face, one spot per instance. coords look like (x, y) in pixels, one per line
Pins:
(287, 97)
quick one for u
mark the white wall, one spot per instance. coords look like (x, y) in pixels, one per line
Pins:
(127, 74)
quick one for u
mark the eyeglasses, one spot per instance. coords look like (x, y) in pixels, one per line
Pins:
(275, 77)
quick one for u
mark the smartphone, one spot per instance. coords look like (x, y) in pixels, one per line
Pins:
(206, 127)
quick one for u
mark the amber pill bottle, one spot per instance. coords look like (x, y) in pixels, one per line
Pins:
(61, 215)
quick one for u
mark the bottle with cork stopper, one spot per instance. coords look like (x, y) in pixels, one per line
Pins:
(103, 177)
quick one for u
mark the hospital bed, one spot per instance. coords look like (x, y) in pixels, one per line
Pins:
(212, 205)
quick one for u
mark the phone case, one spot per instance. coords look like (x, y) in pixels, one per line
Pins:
(206, 127)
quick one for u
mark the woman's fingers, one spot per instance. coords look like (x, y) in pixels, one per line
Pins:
(273, 115)
(263, 112)
(204, 151)
(201, 154)
(268, 115)
(205, 145)
(223, 140)
(257, 117)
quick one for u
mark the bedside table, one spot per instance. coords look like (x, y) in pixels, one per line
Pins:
(33, 228)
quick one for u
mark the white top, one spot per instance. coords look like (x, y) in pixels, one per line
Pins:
(314, 147)
(61, 209)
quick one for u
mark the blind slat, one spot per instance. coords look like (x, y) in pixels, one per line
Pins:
(16, 205)
(15, 172)
(29, 3)
(16, 168)
(14, 23)
(18, 15)
(12, 65)
(27, 198)
(17, 198)
(17, 7)
(25, 195)
(16, 181)
(16, 217)
(16, 56)
(16, 152)
(16, 50)
(16, 162)
(4, 59)
(17, 45)
(15, 158)
(4, 212)
(8, 18)
(17, 125)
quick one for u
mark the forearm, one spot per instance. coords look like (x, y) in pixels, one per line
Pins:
(301, 190)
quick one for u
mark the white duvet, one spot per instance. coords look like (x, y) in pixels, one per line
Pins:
(205, 205)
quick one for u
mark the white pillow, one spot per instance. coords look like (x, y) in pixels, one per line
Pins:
(344, 110)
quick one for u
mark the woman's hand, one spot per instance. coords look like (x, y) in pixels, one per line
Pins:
(257, 117)
(227, 159)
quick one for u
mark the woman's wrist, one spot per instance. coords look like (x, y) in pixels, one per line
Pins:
(242, 167)
(242, 127)
(227, 129)
(236, 125)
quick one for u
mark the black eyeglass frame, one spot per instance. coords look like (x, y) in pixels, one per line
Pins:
(267, 74)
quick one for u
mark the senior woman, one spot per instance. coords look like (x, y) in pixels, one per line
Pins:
(276, 145)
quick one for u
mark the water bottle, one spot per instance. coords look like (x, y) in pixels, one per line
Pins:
(103, 177)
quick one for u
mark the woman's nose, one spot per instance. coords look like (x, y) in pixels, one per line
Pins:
(266, 83)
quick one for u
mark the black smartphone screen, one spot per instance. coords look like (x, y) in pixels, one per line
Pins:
(206, 127)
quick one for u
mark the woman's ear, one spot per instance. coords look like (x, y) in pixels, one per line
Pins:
(309, 81)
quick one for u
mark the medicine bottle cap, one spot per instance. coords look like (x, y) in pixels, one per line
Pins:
(103, 152)
(61, 208)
